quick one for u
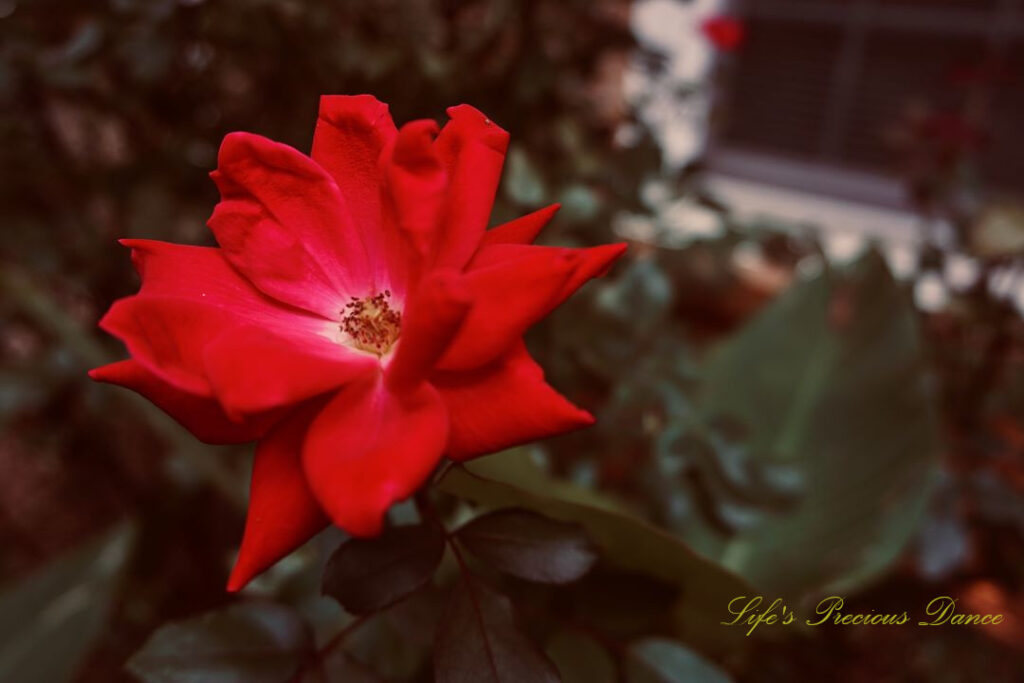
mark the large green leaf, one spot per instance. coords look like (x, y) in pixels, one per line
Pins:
(830, 380)
(510, 479)
(49, 621)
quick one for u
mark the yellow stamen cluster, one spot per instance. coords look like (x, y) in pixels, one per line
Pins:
(371, 323)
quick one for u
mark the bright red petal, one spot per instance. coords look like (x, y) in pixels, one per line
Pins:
(202, 416)
(283, 223)
(170, 337)
(502, 405)
(522, 230)
(593, 262)
(509, 295)
(196, 324)
(371, 447)
(430, 323)
(251, 370)
(417, 181)
(351, 134)
(283, 514)
(514, 286)
(167, 337)
(472, 148)
(202, 275)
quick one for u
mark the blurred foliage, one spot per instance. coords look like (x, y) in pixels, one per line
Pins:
(800, 451)
(63, 608)
(847, 403)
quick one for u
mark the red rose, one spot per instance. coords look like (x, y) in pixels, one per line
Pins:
(357, 319)
(725, 33)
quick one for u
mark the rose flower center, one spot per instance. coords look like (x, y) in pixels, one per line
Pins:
(371, 323)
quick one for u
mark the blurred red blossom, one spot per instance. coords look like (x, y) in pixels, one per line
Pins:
(725, 33)
(357, 319)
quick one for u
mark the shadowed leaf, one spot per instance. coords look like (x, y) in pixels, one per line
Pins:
(366, 575)
(478, 642)
(529, 545)
(257, 642)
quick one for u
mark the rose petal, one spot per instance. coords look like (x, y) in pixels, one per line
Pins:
(502, 405)
(371, 447)
(541, 277)
(509, 296)
(593, 262)
(351, 134)
(417, 182)
(283, 223)
(283, 514)
(167, 337)
(251, 370)
(472, 149)
(434, 316)
(170, 336)
(202, 416)
(204, 276)
(522, 230)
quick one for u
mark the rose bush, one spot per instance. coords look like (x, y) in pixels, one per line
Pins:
(357, 318)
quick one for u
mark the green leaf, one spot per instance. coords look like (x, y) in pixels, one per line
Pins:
(657, 660)
(529, 545)
(478, 641)
(510, 479)
(366, 575)
(830, 381)
(49, 620)
(253, 642)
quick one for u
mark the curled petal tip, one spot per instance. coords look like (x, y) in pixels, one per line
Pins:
(414, 148)
(472, 123)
